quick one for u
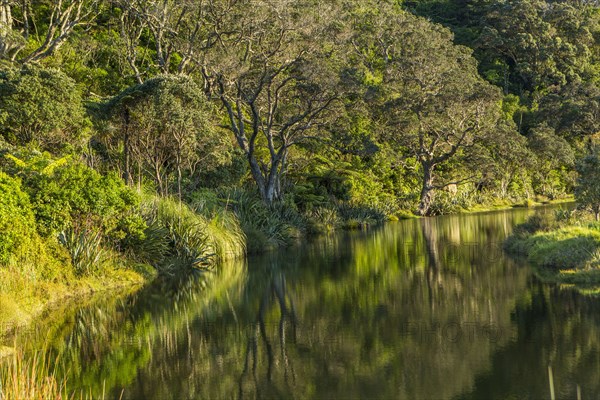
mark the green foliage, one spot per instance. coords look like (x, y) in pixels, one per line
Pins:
(344, 115)
(587, 191)
(24, 255)
(357, 216)
(165, 127)
(546, 43)
(554, 159)
(264, 226)
(17, 222)
(85, 248)
(67, 194)
(572, 110)
(192, 240)
(43, 107)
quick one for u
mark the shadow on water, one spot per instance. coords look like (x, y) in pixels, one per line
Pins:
(420, 309)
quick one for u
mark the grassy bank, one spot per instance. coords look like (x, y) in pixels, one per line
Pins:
(564, 247)
(68, 231)
(23, 300)
(175, 240)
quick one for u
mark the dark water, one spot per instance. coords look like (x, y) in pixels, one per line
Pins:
(420, 309)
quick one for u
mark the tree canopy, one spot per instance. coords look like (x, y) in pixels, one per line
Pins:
(428, 102)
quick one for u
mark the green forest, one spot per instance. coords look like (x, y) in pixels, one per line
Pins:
(145, 137)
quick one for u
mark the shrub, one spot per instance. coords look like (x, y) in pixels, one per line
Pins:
(22, 250)
(42, 106)
(67, 194)
(17, 222)
(86, 251)
(193, 240)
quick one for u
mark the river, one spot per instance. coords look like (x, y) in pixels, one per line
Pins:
(419, 309)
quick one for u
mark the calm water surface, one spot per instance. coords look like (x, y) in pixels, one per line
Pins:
(419, 309)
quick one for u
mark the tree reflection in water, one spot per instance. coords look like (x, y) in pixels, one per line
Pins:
(424, 308)
(276, 290)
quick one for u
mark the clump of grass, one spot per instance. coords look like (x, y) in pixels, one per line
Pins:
(191, 239)
(563, 249)
(264, 226)
(85, 248)
(529, 203)
(30, 378)
(357, 217)
(323, 219)
(227, 235)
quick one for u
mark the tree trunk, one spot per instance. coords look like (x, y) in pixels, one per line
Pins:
(126, 150)
(258, 177)
(269, 187)
(272, 190)
(5, 27)
(274, 182)
(179, 179)
(426, 190)
(158, 179)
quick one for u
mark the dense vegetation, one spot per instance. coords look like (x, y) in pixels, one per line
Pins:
(158, 135)
(565, 247)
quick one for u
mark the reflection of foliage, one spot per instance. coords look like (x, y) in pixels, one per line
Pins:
(391, 313)
(107, 342)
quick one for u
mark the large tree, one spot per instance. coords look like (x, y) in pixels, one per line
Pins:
(275, 77)
(163, 127)
(433, 104)
(541, 44)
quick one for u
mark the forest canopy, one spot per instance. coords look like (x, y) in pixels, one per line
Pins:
(295, 115)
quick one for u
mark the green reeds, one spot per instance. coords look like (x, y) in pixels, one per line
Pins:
(193, 240)
(34, 378)
(85, 248)
(30, 378)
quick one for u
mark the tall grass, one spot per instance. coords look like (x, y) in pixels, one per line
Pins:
(264, 226)
(34, 378)
(85, 248)
(30, 379)
(190, 238)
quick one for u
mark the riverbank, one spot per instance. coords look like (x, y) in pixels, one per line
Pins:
(562, 247)
(506, 205)
(27, 301)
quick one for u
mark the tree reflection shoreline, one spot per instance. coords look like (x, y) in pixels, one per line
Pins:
(354, 315)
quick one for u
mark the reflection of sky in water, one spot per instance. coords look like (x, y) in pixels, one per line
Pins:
(424, 308)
